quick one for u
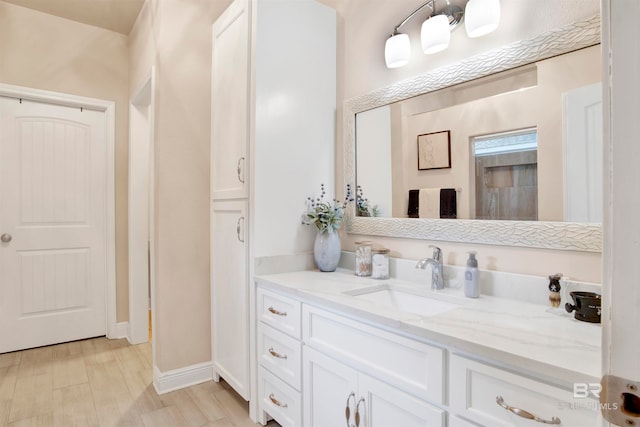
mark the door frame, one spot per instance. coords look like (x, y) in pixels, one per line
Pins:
(112, 328)
(141, 221)
(621, 230)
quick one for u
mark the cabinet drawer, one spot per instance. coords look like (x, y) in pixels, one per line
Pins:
(280, 401)
(280, 354)
(475, 387)
(279, 312)
(409, 365)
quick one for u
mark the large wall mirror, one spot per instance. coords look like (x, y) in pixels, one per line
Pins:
(508, 143)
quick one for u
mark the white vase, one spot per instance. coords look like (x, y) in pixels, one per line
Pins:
(326, 250)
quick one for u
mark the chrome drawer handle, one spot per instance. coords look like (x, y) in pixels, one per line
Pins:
(276, 312)
(277, 402)
(347, 408)
(238, 229)
(278, 355)
(525, 414)
(239, 170)
(358, 416)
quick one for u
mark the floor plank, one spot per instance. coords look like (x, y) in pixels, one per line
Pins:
(33, 396)
(73, 406)
(106, 383)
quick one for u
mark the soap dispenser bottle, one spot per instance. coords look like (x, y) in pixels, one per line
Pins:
(471, 277)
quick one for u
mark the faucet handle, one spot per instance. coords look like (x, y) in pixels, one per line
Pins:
(437, 253)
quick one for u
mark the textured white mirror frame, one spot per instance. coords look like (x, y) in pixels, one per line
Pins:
(535, 234)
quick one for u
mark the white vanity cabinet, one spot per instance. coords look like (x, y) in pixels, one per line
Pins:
(492, 397)
(350, 368)
(346, 365)
(335, 394)
(309, 376)
(279, 352)
(407, 364)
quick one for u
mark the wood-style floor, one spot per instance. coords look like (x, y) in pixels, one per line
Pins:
(101, 382)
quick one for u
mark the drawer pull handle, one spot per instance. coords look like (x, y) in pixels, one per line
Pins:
(347, 408)
(276, 312)
(275, 354)
(277, 402)
(358, 416)
(525, 414)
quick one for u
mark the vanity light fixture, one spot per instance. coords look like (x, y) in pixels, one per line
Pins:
(481, 17)
(435, 34)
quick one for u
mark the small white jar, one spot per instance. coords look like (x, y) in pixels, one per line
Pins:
(380, 263)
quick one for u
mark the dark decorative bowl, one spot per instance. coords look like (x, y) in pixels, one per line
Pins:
(587, 306)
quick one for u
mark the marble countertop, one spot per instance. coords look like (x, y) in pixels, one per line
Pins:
(527, 336)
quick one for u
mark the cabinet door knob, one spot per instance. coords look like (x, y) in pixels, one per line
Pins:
(526, 414)
(6, 238)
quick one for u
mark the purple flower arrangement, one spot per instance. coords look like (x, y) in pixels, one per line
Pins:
(324, 214)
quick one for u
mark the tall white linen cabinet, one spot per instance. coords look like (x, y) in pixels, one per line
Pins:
(272, 145)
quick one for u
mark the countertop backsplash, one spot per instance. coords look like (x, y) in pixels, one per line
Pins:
(519, 287)
(514, 286)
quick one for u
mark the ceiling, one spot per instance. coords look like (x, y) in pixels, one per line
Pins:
(114, 15)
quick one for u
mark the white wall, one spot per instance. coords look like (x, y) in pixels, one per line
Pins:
(364, 27)
(174, 36)
(295, 97)
(366, 24)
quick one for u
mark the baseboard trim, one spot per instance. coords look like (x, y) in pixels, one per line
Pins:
(119, 330)
(164, 382)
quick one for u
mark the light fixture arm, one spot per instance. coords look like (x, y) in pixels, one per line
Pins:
(430, 3)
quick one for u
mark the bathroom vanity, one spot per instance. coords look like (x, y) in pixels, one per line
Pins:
(335, 349)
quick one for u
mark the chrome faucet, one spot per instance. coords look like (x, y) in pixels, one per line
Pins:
(437, 278)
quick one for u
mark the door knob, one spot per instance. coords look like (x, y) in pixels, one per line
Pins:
(6, 238)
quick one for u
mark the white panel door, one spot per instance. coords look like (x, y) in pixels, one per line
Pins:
(582, 123)
(229, 103)
(230, 294)
(332, 391)
(386, 406)
(53, 218)
(328, 388)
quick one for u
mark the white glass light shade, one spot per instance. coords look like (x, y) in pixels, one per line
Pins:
(435, 34)
(481, 17)
(397, 50)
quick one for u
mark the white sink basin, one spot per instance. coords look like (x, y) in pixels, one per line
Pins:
(424, 303)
